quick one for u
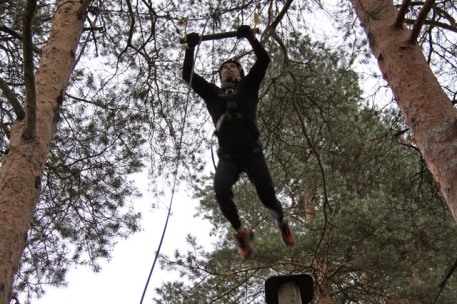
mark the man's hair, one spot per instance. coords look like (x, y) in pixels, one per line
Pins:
(238, 65)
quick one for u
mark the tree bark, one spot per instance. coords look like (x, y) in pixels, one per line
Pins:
(320, 264)
(426, 109)
(22, 167)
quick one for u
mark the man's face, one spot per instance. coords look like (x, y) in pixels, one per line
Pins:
(229, 72)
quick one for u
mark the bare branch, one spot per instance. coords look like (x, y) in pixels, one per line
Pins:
(420, 20)
(131, 30)
(29, 75)
(281, 15)
(445, 15)
(16, 35)
(15, 103)
(282, 46)
(401, 13)
(272, 27)
(82, 11)
(435, 23)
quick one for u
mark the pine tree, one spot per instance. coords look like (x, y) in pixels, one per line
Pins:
(30, 137)
(427, 109)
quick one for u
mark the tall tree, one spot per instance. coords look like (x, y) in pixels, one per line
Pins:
(427, 110)
(30, 138)
(84, 204)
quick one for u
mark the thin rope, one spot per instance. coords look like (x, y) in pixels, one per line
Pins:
(445, 279)
(175, 174)
(246, 287)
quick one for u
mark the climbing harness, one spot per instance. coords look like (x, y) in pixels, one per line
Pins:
(231, 108)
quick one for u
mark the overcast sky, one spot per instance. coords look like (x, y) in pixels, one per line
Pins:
(122, 280)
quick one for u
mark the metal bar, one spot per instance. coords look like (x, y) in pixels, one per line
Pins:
(218, 36)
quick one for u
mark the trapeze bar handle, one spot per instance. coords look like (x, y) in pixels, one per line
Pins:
(218, 35)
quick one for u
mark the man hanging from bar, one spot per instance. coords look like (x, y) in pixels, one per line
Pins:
(233, 109)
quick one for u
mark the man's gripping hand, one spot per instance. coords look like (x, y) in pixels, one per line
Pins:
(193, 39)
(244, 31)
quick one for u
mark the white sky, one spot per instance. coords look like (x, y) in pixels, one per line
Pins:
(122, 280)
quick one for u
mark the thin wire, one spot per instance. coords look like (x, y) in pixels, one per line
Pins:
(174, 174)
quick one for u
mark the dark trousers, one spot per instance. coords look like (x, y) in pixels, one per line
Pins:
(228, 170)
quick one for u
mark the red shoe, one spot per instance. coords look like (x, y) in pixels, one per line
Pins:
(244, 237)
(286, 234)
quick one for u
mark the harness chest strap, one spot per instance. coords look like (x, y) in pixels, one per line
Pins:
(230, 112)
(226, 116)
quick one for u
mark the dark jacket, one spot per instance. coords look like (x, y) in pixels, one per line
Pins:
(233, 108)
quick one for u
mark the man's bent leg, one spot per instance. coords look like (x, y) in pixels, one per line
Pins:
(227, 173)
(260, 176)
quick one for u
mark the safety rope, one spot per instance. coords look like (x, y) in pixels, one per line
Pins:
(178, 158)
(444, 281)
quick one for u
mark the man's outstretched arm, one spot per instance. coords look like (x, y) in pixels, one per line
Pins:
(203, 88)
(188, 64)
(258, 70)
(245, 31)
(193, 39)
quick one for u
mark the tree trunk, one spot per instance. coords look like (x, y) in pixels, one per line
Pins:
(426, 108)
(320, 265)
(22, 166)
